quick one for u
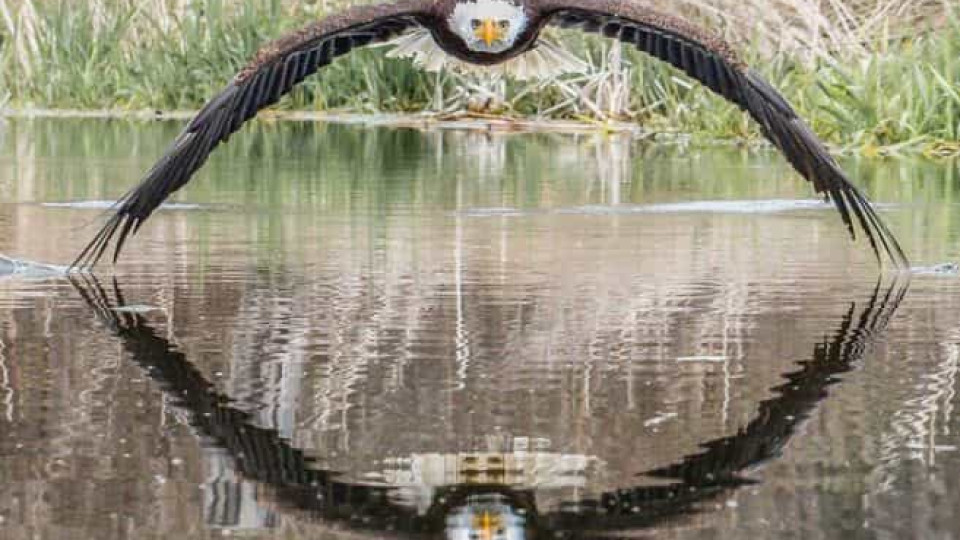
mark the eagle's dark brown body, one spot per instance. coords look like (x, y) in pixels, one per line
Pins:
(283, 63)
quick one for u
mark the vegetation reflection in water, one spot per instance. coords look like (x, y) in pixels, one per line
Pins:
(306, 170)
(483, 508)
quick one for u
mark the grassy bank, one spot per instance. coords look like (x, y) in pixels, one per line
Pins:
(861, 86)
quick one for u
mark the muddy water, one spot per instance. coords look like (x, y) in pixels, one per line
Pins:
(350, 332)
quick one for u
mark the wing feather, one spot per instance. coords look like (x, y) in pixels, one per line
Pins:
(275, 70)
(711, 61)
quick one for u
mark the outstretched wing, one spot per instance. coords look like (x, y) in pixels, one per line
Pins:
(272, 73)
(711, 61)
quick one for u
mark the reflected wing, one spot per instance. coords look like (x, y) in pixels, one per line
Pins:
(259, 453)
(273, 72)
(712, 62)
(720, 467)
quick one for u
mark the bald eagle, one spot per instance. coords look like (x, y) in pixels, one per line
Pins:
(490, 33)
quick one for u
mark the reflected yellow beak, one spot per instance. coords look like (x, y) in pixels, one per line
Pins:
(489, 31)
(487, 523)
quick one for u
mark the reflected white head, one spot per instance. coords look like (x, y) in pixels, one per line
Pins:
(490, 26)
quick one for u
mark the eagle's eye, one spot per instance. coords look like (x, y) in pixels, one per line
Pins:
(474, 23)
(504, 24)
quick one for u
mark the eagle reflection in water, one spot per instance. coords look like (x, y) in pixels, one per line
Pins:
(487, 510)
(487, 516)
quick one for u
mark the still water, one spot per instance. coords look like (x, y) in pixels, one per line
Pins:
(367, 332)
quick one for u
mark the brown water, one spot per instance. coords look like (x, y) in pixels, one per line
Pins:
(349, 332)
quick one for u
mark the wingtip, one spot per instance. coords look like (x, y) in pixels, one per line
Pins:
(129, 226)
(91, 254)
(881, 238)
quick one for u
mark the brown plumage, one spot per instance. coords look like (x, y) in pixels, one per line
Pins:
(281, 64)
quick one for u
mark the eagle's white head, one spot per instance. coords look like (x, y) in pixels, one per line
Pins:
(490, 26)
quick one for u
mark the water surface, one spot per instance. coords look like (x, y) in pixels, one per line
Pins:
(350, 332)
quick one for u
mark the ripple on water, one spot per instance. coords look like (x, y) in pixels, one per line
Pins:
(109, 205)
(713, 207)
(16, 268)
(947, 269)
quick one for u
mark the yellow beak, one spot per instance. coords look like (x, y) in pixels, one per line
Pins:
(488, 31)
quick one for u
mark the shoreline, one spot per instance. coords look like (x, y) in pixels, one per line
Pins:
(465, 121)
(424, 121)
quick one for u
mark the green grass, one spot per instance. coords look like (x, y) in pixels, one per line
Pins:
(907, 99)
(131, 54)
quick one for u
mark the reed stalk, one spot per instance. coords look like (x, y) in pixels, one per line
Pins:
(880, 76)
